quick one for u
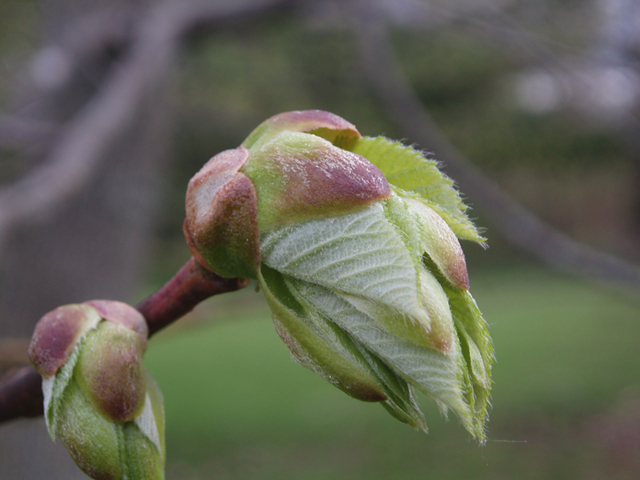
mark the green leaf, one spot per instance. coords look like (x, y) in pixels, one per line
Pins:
(89, 437)
(140, 457)
(401, 400)
(360, 255)
(316, 343)
(54, 390)
(409, 170)
(437, 374)
(106, 449)
(151, 421)
(478, 352)
(147, 424)
(320, 345)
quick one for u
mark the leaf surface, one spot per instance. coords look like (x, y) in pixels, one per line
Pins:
(408, 169)
(361, 255)
(319, 344)
(437, 374)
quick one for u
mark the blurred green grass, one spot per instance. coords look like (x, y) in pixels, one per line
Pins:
(567, 358)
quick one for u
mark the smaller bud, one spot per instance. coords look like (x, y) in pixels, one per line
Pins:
(99, 400)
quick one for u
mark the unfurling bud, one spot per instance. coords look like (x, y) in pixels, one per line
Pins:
(354, 241)
(279, 176)
(99, 400)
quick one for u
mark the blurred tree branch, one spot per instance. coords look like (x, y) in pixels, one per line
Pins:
(150, 49)
(518, 225)
(22, 134)
(126, 89)
(154, 49)
(21, 391)
(75, 155)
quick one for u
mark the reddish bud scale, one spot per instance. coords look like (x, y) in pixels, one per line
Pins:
(293, 167)
(318, 122)
(123, 314)
(221, 225)
(299, 176)
(56, 335)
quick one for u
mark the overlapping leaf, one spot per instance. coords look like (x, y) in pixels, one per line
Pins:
(408, 169)
(343, 278)
(359, 254)
(322, 346)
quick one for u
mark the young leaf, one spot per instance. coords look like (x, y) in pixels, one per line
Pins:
(437, 374)
(408, 169)
(322, 346)
(54, 391)
(359, 254)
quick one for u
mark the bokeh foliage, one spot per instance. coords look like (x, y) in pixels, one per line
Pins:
(566, 380)
(566, 376)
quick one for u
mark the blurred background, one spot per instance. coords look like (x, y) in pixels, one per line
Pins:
(107, 108)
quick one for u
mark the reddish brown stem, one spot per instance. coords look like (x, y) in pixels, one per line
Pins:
(21, 393)
(190, 286)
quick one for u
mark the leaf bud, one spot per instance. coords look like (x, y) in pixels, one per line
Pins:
(99, 399)
(354, 242)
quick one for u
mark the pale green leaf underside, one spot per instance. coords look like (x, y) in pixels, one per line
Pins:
(327, 263)
(406, 168)
(473, 329)
(322, 346)
(359, 254)
(364, 257)
(146, 422)
(438, 375)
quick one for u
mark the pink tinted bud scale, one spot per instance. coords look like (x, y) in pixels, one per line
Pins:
(57, 334)
(123, 314)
